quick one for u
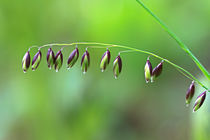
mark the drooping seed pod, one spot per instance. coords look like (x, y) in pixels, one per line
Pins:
(105, 60)
(148, 70)
(36, 60)
(190, 93)
(85, 62)
(117, 66)
(26, 61)
(73, 58)
(50, 58)
(157, 71)
(199, 101)
(58, 60)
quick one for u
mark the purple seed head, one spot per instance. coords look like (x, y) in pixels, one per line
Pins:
(157, 71)
(117, 66)
(26, 61)
(50, 58)
(148, 70)
(105, 60)
(199, 101)
(36, 60)
(58, 60)
(190, 93)
(85, 62)
(73, 58)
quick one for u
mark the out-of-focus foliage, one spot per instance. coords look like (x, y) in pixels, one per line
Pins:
(45, 105)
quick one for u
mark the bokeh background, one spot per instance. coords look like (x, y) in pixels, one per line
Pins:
(45, 105)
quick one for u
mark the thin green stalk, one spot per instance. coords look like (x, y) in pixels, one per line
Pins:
(180, 69)
(178, 40)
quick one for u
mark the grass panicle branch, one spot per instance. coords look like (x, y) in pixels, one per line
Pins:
(150, 73)
(127, 49)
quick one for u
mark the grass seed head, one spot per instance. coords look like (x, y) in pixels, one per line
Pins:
(148, 70)
(105, 60)
(85, 62)
(26, 61)
(117, 66)
(58, 60)
(190, 93)
(36, 60)
(73, 57)
(199, 101)
(50, 58)
(157, 71)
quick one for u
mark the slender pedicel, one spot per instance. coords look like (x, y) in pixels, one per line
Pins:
(58, 60)
(26, 61)
(85, 62)
(105, 60)
(36, 60)
(190, 93)
(148, 70)
(50, 58)
(199, 101)
(117, 66)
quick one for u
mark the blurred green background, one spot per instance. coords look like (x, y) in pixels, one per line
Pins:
(45, 105)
